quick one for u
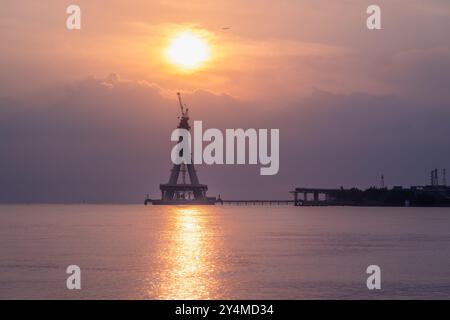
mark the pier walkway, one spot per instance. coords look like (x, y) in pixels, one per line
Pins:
(255, 202)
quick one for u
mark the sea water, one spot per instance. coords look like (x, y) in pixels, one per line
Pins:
(223, 252)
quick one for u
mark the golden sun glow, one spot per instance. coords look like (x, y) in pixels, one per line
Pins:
(188, 51)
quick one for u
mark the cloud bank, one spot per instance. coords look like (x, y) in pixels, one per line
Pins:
(108, 140)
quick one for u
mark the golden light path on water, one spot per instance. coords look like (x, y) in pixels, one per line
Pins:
(188, 256)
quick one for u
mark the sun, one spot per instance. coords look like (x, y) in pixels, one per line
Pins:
(188, 51)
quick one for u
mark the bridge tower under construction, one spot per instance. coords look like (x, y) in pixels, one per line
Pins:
(183, 186)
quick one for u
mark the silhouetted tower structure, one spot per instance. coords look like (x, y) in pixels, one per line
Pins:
(434, 177)
(182, 190)
(382, 182)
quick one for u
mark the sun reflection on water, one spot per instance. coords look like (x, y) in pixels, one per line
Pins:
(188, 265)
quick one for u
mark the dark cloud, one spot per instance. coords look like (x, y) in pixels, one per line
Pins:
(107, 140)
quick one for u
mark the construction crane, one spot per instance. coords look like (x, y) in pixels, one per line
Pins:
(183, 124)
(184, 109)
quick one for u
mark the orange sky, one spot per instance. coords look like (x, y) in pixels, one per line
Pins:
(272, 50)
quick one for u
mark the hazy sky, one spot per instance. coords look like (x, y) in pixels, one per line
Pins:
(87, 114)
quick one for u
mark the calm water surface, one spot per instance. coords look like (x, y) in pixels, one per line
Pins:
(254, 252)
